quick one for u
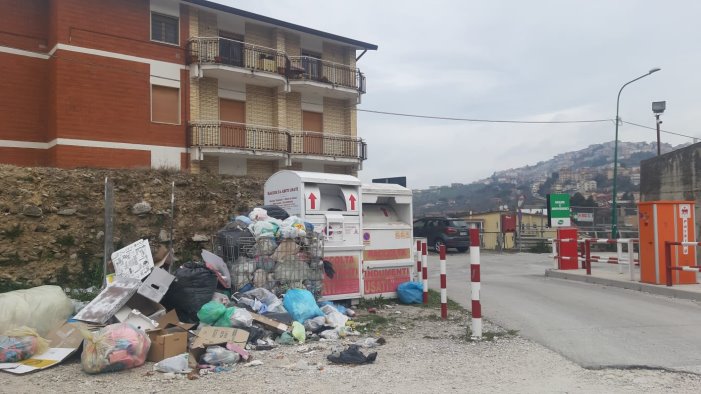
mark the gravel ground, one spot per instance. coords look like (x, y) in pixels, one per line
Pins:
(422, 354)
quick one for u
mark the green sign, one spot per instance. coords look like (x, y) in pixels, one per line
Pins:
(559, 210)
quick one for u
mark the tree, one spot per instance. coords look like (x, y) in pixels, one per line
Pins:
(578, 200)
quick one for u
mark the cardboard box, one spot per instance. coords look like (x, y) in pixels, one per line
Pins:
(156, 285)
(109, 301)
(210, 336)
(133, 261)
(270, 323)
(170, 339)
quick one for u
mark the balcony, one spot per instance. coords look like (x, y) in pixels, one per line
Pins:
(337, 80)
(227, 59)
(238, 138)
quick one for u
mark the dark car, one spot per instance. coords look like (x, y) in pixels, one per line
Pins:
(453, 233)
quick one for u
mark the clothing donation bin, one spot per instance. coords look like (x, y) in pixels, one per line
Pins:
(661, 221)
(388, 260)
(331, 202)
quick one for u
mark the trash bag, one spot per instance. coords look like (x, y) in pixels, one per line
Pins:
(410, 293)
(271, 302)
(338, 307)
(193, 287)
(300, 304)
(217, 355)
(20, 344)
(175, 364)
(263, 229)
(216, 264)
(225, 319)
(42, 308)
(316, 324)
(211, 312)
(334, 318)
(285, 339)
(114, 348)
(241, 318)
(352, 355)
(298, 332)
(275, 211)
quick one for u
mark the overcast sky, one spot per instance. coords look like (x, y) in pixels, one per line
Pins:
(508, 60)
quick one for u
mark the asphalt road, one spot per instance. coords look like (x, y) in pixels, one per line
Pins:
(593, 325)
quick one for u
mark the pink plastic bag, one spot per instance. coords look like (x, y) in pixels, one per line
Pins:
(114, 348)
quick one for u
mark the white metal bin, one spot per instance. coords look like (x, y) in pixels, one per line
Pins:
(332, 203)
(388, 256)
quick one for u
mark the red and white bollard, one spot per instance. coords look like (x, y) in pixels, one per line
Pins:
(418, 261)
(475, 283)
(424, 269)
(444, 292)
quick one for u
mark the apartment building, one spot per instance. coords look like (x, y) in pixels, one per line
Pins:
(186, 84)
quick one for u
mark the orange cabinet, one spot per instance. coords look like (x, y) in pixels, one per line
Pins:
(661, 221)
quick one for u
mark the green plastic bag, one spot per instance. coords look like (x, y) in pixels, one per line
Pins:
(225, 319)
(211, 312)
(298, 332)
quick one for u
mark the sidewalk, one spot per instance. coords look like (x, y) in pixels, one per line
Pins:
(608, 275)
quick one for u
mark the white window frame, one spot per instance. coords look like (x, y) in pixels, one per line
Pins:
(151, 85)
(150, 32)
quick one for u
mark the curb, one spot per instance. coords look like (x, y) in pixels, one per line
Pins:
(674, 292)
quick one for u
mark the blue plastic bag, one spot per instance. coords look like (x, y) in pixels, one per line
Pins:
(410, 292)
(300, 304)
(342, 309)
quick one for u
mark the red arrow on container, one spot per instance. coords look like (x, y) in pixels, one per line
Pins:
(352, 201)
(312, 199)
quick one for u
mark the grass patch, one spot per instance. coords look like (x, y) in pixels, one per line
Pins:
(434, 301)
(7, 285)
(13, 232)
(377, 302)
(372, 322)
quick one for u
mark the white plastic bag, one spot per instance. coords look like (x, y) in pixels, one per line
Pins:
(258, 214)
(175, 364)
(334, 318)
(42, 308)
(241, 318)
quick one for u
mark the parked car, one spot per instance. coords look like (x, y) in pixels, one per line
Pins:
(453, 233)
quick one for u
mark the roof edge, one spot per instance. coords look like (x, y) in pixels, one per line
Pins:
(277, 22)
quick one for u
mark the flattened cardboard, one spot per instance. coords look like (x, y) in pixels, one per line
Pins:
(156, 285)
(64, 341)
(219, 335)
(270, 323)
(109, 301)
(133, 261)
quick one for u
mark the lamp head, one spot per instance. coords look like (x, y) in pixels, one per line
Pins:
(654, 70)
(658, 107)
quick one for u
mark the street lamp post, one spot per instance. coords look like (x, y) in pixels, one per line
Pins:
(658, 108)
(614, 219)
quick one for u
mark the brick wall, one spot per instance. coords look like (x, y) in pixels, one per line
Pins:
(334, 53)
(122, 26)
(23, 98)
(106, 99)
(23, 157)
(334, 169)
(294, 111)
(260, 35)
(76, 156)
(260, 105)
(261, 168)
(293, 44)
(208, 99)
(336, 116)
(208, 24)
(24, 24)
(210, 164)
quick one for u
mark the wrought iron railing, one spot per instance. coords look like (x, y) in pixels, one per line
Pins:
(252, 137)
(225, 51)
(318, 70)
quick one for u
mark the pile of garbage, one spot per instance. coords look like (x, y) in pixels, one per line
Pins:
(260, 290)
(270, 249)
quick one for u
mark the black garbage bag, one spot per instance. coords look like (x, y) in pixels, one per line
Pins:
(352, 355)
(275, 212)
(193, 287)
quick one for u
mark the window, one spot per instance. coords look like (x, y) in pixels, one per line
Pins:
(164, 28)
(165, 104)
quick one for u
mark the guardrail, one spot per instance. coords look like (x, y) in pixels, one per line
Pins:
(668, 260)
(585, 257)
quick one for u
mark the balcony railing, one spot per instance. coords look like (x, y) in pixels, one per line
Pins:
(333, 145)
(238, 135)
(324, 71)
(228, 52)
(219, 50)
(250, 137)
